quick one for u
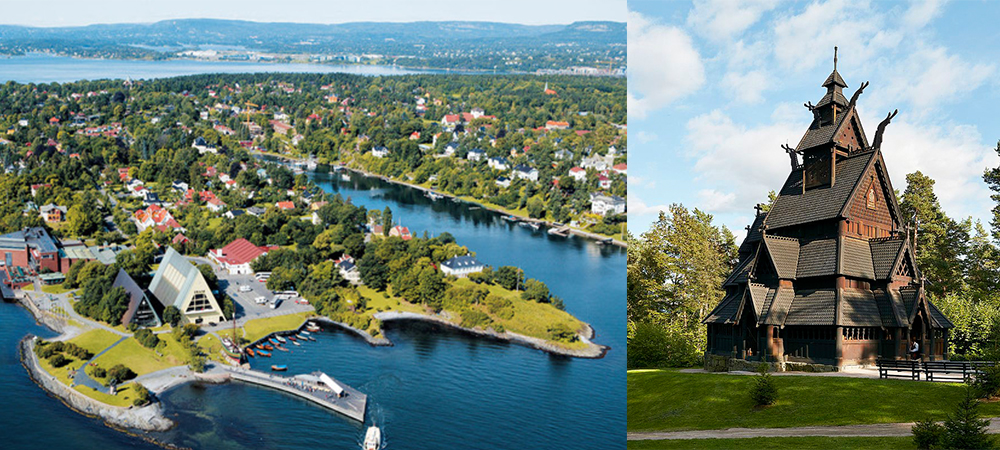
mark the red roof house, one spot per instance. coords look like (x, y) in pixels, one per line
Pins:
(237, 256)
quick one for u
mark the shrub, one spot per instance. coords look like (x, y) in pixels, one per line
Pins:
(197, 364)
(98, 372)
(58, 360)
(562, 332)
(472, 318)
(927, 434)
(652, 345)
(44, 351)
(147, 338)
(121, 373)
(172, 315)
(78, 352)
(763, 391)
(987, 383)
(965, 429)
(141, 394)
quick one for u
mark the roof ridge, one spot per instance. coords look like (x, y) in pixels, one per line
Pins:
(781, 237)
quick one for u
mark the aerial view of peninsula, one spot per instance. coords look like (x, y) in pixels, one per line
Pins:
(379, 225)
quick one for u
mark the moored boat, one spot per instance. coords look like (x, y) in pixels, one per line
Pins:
(296, 343)
(268, 347)
(291, 338)
(282, 349)
(304, 333)
(280, 339)
(279, 367)
(273, 342)
(250, 351)
(263, 353)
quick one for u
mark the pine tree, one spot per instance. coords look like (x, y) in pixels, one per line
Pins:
(965, 429)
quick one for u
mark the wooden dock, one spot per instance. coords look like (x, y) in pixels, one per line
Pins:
(351, 404)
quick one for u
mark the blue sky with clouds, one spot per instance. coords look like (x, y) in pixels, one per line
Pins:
(717, 86)
(75, 12)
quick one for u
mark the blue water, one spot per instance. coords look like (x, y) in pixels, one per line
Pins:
(438, 388)
(44, 68)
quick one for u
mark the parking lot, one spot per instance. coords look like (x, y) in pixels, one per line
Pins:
(246, 306)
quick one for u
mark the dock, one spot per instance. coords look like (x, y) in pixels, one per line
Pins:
(350, 402)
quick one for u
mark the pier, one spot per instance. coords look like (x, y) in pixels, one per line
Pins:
(316, 387)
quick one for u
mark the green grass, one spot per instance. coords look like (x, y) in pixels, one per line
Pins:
(803, 443)
(210, 345)
(123, 399)
(141, 359)
(55, 289)
(673, 401)
(258, 328)
(531, 318)
(94, 341)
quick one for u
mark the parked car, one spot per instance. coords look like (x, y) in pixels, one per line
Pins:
(245, 288)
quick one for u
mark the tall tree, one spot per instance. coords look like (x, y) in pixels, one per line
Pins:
(941, 242)
(386, 221)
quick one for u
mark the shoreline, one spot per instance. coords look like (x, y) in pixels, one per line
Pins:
(575, 231)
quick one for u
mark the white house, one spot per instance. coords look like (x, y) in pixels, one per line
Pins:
(498, 163)
(237, 256)
(606, 204)
(525, 173)
(462, 266)
(562, 154)
(203, 146)
(578, 173)
(380, 152)
(596, 162)
(348, 270)
(503, 182)
(476, 154)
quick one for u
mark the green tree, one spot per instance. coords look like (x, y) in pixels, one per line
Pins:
(386, 221)
(941, 242)
(509, 277)
(965, 429)
(535, 291)
(172, 315)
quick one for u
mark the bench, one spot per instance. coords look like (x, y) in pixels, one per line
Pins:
(949, 370)
(902, 368)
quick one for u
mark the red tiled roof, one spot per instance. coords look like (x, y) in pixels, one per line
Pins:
(285, 205)
(240, 251)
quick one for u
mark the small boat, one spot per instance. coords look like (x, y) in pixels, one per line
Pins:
(290, 338)
(373, 438)
(434, 195)
(273, 342)
(296, 343)
(260, 347)
(311, 338)
(313, 328)
(534, 225)
(250, 351)
(304, 333)
(280, 339)
(263, 353)
(282, 349)
(279, 367)
(510, 218)
(345, 177)
(268, 347)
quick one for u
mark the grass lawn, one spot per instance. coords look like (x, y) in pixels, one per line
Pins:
(141, 359)
(123, 399)
(378, 302)
(258, 328)
(667, 400)
(55, 289)
(210, 345)
(61, 373)
(94, 341)
(803, 443)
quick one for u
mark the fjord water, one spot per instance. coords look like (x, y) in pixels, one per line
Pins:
(438, 388)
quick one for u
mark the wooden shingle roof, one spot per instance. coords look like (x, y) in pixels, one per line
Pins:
(813, 307)
(884, 254)
(859, 308)
(784, 253)
(857, 259)
(817, 258)
(793, 207)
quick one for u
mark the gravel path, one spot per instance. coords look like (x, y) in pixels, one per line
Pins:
(885, 429)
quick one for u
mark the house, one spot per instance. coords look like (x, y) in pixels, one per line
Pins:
(316, 219)
(596, 162)
(620, 168)
(36, 187)
(503, 182)
(53, 213)
(578, 173)
(556, 125)
(256, 211)
(180, 186)
(150, 198)
(287, 205)
(603, 182)
(450, 148)
(141, 310)
(203, 146)
(462, 266)
(315, 206)
(237, 256)
(180, 239)
(563, 154)
(476, 154)
(180, 284)
(348, 269)
(401, 231)
(281, 128)
(451, 119)
(606, 204)
(215, 205)
(380, 151)
(155, 216)
(497, 163)
(525, 173)
(232, 214)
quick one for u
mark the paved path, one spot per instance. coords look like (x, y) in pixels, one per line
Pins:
(81, 374)
(849, 372)
(885, 429)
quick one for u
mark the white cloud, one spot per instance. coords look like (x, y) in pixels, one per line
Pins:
(638, 181)
(954, 156)
(929, 77)
(663, 65)
(803, 41)
(720, 20)
(920, 13)
(639, 207)
(716, 201)
(645, 137)
(739, 164)
(747, 87)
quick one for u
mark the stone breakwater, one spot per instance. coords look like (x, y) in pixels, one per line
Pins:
(146, 418)
(591, 351)
(374, 341)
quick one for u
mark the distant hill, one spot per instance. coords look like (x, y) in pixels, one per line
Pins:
(422, 40)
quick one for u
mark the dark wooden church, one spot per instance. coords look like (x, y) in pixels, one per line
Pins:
(827, 275)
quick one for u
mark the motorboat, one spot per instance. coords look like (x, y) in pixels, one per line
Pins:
(279, 367)
(373, 438)
(280, 339)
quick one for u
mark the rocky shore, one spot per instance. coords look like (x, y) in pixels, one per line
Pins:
(592, 351)
(146, 418)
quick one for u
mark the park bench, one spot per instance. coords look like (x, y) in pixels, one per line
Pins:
(902, 368)
(949, 370)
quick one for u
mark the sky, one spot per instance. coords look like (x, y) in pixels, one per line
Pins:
(717, 86)
(75, 13)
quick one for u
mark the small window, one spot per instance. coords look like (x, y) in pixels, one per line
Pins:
(871, 197)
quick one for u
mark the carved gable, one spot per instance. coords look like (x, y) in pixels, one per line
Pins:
(869, 210)
(850, 135)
